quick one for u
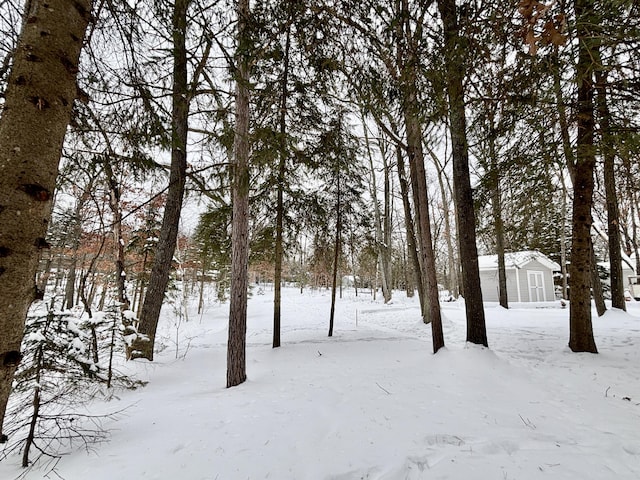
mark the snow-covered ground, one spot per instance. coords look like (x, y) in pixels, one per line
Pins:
(373, 402)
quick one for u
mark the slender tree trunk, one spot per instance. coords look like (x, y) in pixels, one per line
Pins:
(41, 89)
(203, 272)
(282, 167)
(634, 230)
(36, 402)
(496, 207)
(581, 330)
(613, 217)
(70, 286)
(76, 232)
(596, 284)
(409, 227)
(236, 346)
(407, 58)
(168, 237)
(336, 257)
(563, 240)
(381, 246)
(114, 205)
(454, 67)
(416, 163)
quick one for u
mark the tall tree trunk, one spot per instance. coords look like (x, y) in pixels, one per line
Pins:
(570, 159)
(581, 330)
(381, 233)
(168, 236)
(613, 217)
(454, 68)
(282, 166)
(41, 89)
(114, 205)
(563, 239)
(236, 346)
(419, 184)
(408, 60)
(336, 257)
(496, 208)
(385, 264)
(412, 246)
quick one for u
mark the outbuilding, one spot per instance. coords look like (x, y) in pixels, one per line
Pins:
(529, 277)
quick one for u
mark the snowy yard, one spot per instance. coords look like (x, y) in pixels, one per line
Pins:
(373, 402)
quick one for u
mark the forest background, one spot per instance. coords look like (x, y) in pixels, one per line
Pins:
(384, 142)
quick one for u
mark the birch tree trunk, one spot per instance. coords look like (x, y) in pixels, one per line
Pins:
(41, 89)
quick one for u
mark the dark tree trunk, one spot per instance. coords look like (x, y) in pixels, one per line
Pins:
(596, 284)
(409, 227)
(167, 240)
(385, 263)
(282, 166)
(407, 62)
(419, 185)
(496, 207)
(454, 68)
(336, 257)
(41, 89)
(581, 330)
(236, 347)
(613, 217)
(502, 271)
(70, 286)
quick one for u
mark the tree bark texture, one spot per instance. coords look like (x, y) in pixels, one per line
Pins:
(581, 330)
(419, 185)
(613, 217)
(236, 346)
(41, 89)
(167, 239)
(454, 70)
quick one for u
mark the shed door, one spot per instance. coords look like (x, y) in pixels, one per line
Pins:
(536, 286)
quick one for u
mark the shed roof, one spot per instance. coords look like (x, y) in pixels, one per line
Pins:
(517, 260)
